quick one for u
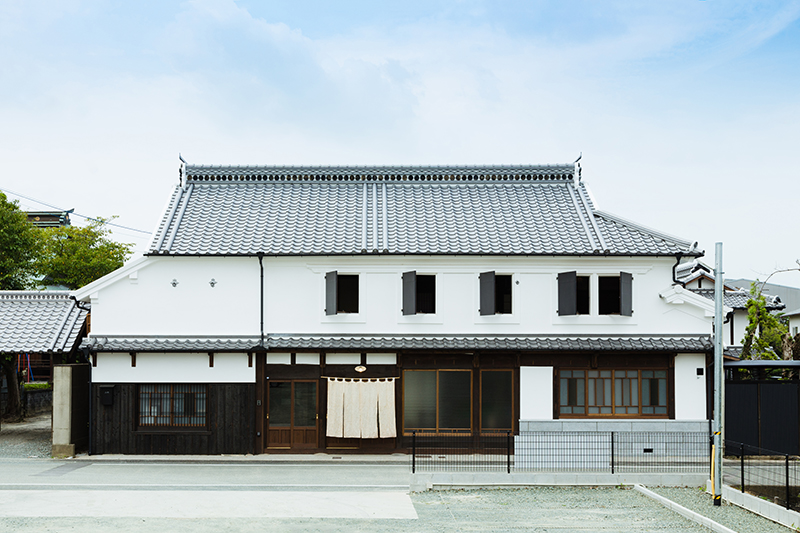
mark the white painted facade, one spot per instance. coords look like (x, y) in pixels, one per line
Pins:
(140, 299)
(173, 368)
(690, 386)
(536, 392)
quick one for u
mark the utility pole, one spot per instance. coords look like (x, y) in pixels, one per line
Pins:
(719, 288)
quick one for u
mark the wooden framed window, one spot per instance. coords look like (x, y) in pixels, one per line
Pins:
(497, 400)
(437, 400)
(639, 393)
(172, 405)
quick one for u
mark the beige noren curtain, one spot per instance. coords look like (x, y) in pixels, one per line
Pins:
(361, 408)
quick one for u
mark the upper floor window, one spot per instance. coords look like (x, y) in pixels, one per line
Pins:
(614, 294)
(341, 293)
(419, 293)
(495, 293)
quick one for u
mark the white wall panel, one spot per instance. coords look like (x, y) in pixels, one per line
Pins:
(274, 358)
(173, 368)
(690, 389)
(381, 358)
(536, 393)
(342, 358)
(306, 358)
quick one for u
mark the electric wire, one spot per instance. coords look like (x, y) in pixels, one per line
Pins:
(73, 212)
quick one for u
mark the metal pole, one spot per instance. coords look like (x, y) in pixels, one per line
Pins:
(413, 452)
(612, 452)
(787, 481)
(741, 460)
(508, 452)
(719, 288)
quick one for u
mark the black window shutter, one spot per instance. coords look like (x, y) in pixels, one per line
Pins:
(567, 293)
(331, 281)
(487, 293)
(625, 294)
(410, 293)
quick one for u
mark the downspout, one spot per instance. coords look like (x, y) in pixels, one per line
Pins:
(261, 266)
(678, 258)
(85, 352)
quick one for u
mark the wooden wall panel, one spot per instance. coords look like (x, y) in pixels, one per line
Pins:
(230, 425)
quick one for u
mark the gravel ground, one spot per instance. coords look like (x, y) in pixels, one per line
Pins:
(731, 516)
(31, 438)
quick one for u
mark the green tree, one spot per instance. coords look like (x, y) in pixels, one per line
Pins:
(765, 333)
(76, 256)
(18, 249)
(18, 246)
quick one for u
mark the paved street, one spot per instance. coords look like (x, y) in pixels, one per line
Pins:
(52, 495)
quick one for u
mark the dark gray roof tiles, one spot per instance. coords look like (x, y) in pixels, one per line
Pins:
(38, 321)
(535, 210)
(738, 299)
(697, 343)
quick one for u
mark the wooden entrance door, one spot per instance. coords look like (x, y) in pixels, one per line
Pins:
(292, 420)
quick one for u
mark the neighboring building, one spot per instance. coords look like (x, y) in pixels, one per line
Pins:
(458, 300)
(49, 219)
(699, 278)
(38, 326)
(790, 296)
(794, 322)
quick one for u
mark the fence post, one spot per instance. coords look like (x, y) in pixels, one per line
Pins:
(741, 461)
(413, 452)
(612, 452)
(508, 452)
(787, 481)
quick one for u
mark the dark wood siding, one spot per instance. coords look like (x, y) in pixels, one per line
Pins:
(230, 424)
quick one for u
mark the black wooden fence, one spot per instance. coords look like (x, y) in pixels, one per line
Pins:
(764, 414)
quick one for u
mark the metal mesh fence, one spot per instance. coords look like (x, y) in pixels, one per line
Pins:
(764, 473)
(567, 451)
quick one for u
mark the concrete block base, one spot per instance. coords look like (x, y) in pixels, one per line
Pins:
(464, 480)
(63, 450)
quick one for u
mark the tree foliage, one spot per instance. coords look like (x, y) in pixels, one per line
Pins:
(76, 256)
(765, 333)
(18, 246)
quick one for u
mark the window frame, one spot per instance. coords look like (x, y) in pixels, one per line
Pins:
(201, 392)
(438, 428)
(587, 404)
(411, 293)
(584, 299)
(488, 293)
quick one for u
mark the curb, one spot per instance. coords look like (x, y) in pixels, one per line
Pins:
(683, 511)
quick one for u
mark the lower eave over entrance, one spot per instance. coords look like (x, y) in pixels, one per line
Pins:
(284, 342)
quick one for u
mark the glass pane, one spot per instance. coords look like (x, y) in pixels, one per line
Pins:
(618, 392)
(645, 391)
(305, 403)
(566, 373)
(634, 392)
(647, 373)
(419, 399)
(581, 399)
(280, 401)
(496, 399)
(454, 399)
(592, 394)
(607, 392)
(661, 373)
(577, 373)
(564, 393)
(662, 392)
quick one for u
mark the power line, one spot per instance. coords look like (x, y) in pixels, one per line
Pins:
(73, 212)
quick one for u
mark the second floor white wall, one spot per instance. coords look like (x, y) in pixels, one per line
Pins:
(140, 299)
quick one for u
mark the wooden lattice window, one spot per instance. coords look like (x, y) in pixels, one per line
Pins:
(172, 405)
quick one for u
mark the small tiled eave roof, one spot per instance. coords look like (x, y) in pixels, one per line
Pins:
(39, 321)
(529, 343)
(492, 210)
(738, 299)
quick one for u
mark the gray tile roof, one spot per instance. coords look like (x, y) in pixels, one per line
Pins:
(38, 321)
(738, 299)
(501, 210)
(661, 343)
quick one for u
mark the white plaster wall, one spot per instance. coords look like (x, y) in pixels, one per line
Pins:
(690, 389)
(536, 393)
(145, 303)
(740, 322)
(173, 368)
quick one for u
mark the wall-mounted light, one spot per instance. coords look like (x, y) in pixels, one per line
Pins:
(212, 282)
(174, 282)
(360, 368)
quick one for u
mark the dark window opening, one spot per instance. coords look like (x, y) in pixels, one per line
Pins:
(608, 295)
(502, 294)
(426, 294)
(582, 294)
(437, 400)
(172, 405)
(347, 294)
(497, 399)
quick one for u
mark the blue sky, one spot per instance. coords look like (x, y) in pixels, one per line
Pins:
(686, 112)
